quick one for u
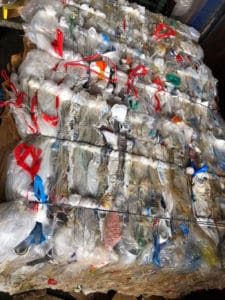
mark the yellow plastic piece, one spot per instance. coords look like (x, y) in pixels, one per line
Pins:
(5, 12)
(209, 255)
(6, 8)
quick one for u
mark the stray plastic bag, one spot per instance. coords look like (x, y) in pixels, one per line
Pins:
(181, 8)
(23, 234)
(32, 6)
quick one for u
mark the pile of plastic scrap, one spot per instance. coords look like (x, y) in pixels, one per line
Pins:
(119, 181)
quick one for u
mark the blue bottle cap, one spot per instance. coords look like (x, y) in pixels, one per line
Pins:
(105, 38)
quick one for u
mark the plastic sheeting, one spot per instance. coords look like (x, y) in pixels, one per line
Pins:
(181, 8)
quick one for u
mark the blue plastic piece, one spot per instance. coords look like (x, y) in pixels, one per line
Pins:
(138, 52)
(221, 165)
(105, 38)
(172, 52)
(148, 211)
(75, 136)
(55, 145)
(184, 229)
(203, 169)
(220, 156)
(39, 189)
(153, 133)
(35, 237)
(155, 257)
(113, 48)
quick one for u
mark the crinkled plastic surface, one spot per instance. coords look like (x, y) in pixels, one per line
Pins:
(121, 167)
(78, 243)
(32, 7)
(6, 2)
(182, 7)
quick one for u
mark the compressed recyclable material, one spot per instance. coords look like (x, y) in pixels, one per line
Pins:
(7, 2)
(119, 180)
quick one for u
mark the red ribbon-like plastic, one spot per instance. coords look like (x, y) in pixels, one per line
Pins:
(52, 120)
(21, 152)
(19, 95)
(136, 72)
(160, 84)
(57, 44)
(160, 33)
(34, 103)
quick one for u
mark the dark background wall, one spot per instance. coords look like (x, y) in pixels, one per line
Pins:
(214, 48)
(11, 42)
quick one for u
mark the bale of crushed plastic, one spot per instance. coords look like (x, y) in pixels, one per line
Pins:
(119, 180)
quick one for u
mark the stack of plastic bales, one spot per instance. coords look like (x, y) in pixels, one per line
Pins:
(122, 160)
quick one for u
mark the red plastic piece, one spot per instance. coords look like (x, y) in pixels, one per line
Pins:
(52, 120)
(160, 33)
(19, 95)
(124, 25)
(160, 84)
(34, 103)
(179, 58)
(57, 44)
(52, 281)
(21, 152)
(136, 72)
